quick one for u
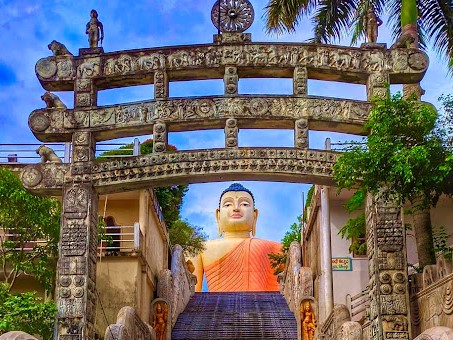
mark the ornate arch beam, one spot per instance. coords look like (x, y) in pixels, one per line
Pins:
(133, 119)
(198, 166)
(253, 60)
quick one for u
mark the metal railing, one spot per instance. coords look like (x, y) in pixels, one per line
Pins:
(26, 152)
(358, 303)
(8, 235)
(121, 239)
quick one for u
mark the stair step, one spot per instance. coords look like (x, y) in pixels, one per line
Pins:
(248, 315)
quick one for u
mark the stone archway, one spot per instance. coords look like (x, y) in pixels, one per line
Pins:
(233, 55)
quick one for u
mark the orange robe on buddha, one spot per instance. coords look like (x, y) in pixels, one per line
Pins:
(245, 268)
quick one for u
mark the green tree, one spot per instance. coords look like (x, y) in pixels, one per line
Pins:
(190, 238)
(335, 19)
(26, 312)
(404, 157)
(294, 233)
(27, 218)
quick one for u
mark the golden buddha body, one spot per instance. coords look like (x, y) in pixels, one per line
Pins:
(237, 261)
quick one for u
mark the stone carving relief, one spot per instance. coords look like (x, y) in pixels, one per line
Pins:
(83, 85)
(231, 133)
(296, 282)
(89, 68)
(301, 133)
(398, 61)
(47, 155)
(76, 202)
(350, 330)
(46, 67)
(308, 319)
(159, 137)
(197, 109)
(129, 326)
(160, 85)
(82, 99)
(73, 239)
(231, 80)
(44, 175)
(161, 319)
(300, 81)
(65, 69)
(191, 163)
(388, 278)
(176, 285)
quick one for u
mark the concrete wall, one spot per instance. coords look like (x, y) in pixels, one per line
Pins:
(345, 282)
(131, 280)
(350, 283)
(117, 281)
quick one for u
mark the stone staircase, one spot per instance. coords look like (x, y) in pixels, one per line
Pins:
(248, 315)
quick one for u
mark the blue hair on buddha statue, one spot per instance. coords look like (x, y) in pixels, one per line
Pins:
(236, 187)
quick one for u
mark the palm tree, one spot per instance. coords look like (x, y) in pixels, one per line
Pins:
(333, 19)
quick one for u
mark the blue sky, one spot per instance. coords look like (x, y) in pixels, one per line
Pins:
(27, 27)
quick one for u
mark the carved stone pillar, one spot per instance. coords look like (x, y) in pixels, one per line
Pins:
(300, 81)
(386, 248)
(231, 80)
(160, 85)
(85, 93)
(76, 295)
(231, 133)
(377, 85)
(76, 278)
(413, 90)
(159, 137)
(301, 133)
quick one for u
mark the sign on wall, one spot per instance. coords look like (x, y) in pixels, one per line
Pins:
(342, 264)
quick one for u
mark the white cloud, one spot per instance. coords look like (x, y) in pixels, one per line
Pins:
(27, 26)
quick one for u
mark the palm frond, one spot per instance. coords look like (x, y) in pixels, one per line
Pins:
(394, 8)
(332, 19)
(436, 20)
(394, 15)
(284, 15)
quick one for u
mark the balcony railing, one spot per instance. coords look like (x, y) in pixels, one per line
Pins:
(26, 152)
(123, 240)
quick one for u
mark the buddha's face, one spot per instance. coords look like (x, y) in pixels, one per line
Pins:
(236, 213)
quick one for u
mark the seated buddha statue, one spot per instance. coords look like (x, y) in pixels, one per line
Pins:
(236, 261)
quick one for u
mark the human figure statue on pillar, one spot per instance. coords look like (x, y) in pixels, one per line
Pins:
(371, 25)
(237, 261)
(95, 30)
(160, 320)
(308, 321)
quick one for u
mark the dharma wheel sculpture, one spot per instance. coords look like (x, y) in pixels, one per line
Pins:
(235, 15)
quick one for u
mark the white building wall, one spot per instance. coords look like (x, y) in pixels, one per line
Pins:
(345, 283)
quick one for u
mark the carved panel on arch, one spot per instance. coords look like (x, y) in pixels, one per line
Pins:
(288, 164)
(204, 61)
(254, 111)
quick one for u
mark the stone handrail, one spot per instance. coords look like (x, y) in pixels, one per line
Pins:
(296, 282)
(176, 285)
(129, 326)
(339, 326)
(433, 305)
